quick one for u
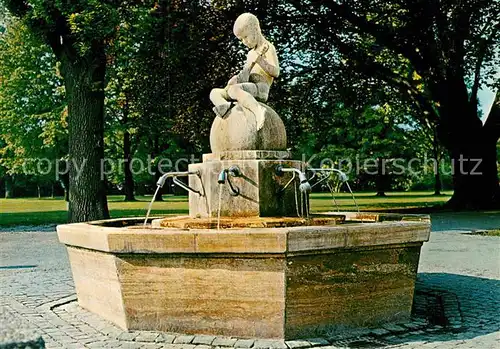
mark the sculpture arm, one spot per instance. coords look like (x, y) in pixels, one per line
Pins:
(233, 80)
(271, 69)
(243, 75)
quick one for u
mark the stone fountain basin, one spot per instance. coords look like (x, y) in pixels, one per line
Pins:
(356, 270)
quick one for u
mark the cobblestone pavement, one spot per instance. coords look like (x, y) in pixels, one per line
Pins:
(457, 302)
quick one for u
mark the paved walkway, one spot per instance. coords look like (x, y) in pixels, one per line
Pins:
(457, 303)
(465, 221)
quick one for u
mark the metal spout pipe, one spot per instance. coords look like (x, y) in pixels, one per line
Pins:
(163, 179)
(225, 174)
(342, 176)
(305, 186)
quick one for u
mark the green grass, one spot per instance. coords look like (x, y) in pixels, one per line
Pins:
(34, 211)
(370, 202)
(495, 232)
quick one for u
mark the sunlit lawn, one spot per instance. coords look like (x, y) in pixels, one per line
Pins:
(33, 211)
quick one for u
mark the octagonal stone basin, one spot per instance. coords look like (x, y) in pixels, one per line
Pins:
(266, 278)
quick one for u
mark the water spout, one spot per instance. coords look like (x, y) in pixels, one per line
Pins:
(161, 182)
(163, 179)
(304, 187)
(224, 175)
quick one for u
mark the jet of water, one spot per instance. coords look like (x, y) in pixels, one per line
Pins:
(151, 205)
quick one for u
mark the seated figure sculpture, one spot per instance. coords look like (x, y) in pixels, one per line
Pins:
(252, 84)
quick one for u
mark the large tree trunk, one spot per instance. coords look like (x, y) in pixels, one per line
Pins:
(84, 81)
(472, 148)
(475, 178)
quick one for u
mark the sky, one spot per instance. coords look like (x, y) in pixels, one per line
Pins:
(486, 97)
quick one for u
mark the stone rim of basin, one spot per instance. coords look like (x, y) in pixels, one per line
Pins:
(316, 219)
(282, 240)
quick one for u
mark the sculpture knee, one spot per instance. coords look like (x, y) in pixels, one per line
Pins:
(215, 93)
(218, 96)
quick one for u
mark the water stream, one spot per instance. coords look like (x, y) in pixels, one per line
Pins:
(332, 191)
(219, 207)
(352, 194)
(151, 205)
(306, 204)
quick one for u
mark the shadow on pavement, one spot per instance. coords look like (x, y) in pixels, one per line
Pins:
(455, 307)
(445, 221)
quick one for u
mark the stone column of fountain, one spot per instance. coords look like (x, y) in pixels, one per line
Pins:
(235, 141)
(265, 273)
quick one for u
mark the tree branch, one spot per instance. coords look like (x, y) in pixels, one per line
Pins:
(386, 36)
(18, 8)
(483, 49)
(366, 64)
(49, 33)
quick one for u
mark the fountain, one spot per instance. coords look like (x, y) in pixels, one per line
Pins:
(249, 260)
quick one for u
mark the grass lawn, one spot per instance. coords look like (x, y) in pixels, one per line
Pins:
(33, 211)
(495, 232)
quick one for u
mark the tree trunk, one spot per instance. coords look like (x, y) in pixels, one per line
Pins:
(472, 148)
(381, 179)
(156, 151)
(84, 81)
(437, 175)
(475, 177)
(9, 187)
(64, 180)
(128, 186)
(437, 182)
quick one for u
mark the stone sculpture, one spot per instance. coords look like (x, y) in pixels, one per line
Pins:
(252, 84)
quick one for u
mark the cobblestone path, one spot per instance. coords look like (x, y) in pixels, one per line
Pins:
(457, 301)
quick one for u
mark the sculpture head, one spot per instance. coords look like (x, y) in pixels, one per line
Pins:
(247, 29)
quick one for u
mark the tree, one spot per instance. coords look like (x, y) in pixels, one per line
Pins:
(78, 33)
(449, 46)
(32, 107)
(122, 73)
(166, 99)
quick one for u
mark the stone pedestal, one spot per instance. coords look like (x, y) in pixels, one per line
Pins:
(260, 189)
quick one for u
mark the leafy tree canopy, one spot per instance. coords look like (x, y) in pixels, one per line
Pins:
(32, 101)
